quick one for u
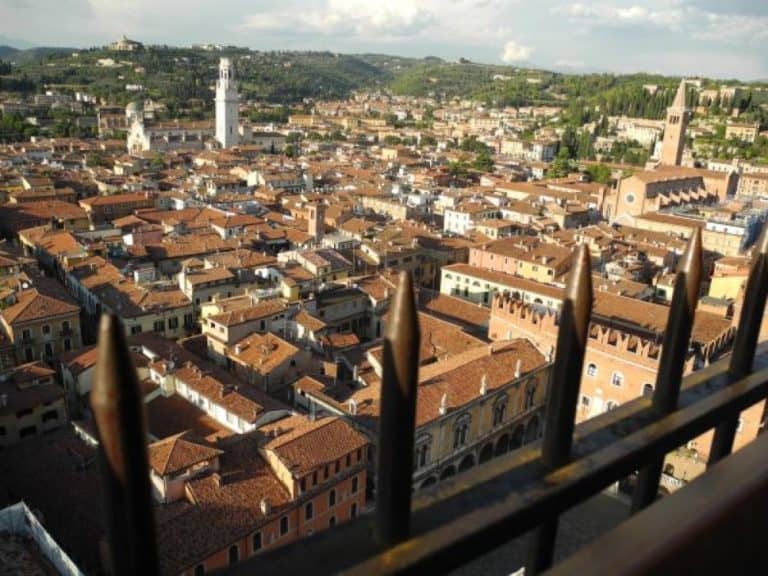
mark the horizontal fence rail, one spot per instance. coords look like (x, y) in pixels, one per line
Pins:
(460, 519)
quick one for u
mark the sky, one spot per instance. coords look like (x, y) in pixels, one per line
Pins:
(716, 38)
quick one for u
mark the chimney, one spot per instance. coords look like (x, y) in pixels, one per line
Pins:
(484, 385)
(352, 407)
(444, 404)
(517, 368)
(266, 507)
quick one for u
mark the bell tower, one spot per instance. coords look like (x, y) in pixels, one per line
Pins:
(227, 123)
(674, 129)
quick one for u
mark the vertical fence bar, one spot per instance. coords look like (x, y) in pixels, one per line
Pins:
(745, 343)
(564, 382)
(118, 409)
(398, 417)
(673, 356)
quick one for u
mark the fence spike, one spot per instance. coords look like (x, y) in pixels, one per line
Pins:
(563, 393)
(674, 351)
(745, 342)
(398, 416)
(118, 409)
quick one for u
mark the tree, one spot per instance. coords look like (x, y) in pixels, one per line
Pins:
(599, 173)
(560, 166)
(483, 162)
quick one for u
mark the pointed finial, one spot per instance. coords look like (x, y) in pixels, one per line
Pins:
(761, 247)
(579, 289)
(398, 416)
(692, 264)
(118, 408)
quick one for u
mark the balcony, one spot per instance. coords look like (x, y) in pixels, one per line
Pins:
(714, 525)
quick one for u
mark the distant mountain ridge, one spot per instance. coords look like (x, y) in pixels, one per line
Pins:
(26, 55)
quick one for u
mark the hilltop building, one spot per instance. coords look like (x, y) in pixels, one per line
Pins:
(126, 45)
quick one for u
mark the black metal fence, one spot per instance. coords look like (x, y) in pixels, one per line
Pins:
(469, 515)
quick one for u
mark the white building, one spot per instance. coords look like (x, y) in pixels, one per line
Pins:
(227, 132)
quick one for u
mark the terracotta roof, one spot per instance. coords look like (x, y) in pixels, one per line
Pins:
(257, 311)
(303, 445)
(308, 321)
(169, 415)
(262, 352)
(32, 306)
(222, 508)
(177, 453)
(80, 360)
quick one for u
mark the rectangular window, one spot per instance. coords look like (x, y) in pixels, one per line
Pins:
(256, 541)
(173, 322)
(354, 485)
(50, 415)
(332, 497)
(283, 525)
(46, 328)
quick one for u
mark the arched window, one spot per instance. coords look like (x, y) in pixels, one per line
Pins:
(423, 444)
(309, 511)
(530, 395)
(647, 390)
(592, 370)
(234, 554)
(461, 431)
(499, 410)
(332, 497)
(256, 541)
(617, 379)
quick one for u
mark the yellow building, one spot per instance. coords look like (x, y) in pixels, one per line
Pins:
(31, 403)
(42, 326)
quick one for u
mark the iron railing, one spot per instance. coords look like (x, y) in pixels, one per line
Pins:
(460, 519)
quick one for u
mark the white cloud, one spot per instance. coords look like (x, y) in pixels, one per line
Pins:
(514, 52)
(359, 17)
(732, 28)
(605, 14)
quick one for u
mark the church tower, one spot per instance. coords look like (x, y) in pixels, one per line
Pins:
(227, 123)
(674, 129)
